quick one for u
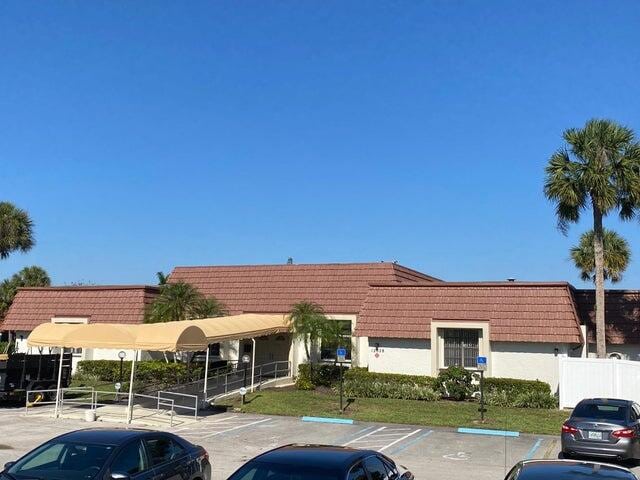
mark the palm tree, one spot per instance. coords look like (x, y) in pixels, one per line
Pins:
(598, 170)
(27, 277)
(32, 276)
(309, 324)
(616, 256)
(162, 278)
(182, 301)
(16, 230)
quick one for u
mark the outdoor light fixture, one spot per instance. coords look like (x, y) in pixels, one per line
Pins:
(555, 351)
(121, 355)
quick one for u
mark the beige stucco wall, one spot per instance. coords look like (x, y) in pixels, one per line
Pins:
(399, 355)
(528, 361)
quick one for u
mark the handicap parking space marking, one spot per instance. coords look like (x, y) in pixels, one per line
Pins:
(355, 440)
(383, 438)
(413, 441)
(458, 456)
(238, 427)
(216, 427)
(205, 424)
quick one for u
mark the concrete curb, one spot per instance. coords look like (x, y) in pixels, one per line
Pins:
(346, 421)
(482, 431)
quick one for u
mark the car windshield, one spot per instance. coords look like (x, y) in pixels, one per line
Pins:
(600, 411)
(274, 471)
(62, 461)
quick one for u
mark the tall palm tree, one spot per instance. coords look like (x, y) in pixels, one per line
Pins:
(309, 324)
(616, 256)
(598, 170)
(182, 301)
(16, 230)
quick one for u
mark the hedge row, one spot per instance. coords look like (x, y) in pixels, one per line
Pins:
(151, 372)
(359, 382)
(454, 383)
(514, 386)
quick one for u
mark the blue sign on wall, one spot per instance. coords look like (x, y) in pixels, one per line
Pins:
(341, 352)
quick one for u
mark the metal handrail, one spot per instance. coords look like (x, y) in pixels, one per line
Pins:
(260, 377)
(195, 398)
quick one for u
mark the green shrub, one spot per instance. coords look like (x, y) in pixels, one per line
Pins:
(359, 382)
(535, 399)
(363, 374)
(149, 372)
(455, 383)
(510, 392)
(322, 375)
(515, 386)
(6, 347)
(303, 383)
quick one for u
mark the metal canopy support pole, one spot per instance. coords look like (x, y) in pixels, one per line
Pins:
(206, 372)
(57, 408)
(253, 363)
(130, 402)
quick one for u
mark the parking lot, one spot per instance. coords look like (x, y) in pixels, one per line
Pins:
(232, 439)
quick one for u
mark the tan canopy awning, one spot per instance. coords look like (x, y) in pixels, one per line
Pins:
(167, 337)
(192, 335)
(238, 327)
(170, 337)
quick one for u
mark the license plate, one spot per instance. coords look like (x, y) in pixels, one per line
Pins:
(594, 435)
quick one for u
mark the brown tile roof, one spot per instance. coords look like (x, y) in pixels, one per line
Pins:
(622, 315)
(101, 304)
(517, 311)
(339, 288)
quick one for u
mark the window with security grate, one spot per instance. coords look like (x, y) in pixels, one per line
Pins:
(460, 347)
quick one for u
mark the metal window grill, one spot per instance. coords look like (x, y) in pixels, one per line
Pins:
(460, 347)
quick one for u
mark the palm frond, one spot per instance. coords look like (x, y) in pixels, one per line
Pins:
(16, 230)
(617, 256)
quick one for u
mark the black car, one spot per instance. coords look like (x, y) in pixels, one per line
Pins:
(101, 454)
(321, 462)
(568, 470)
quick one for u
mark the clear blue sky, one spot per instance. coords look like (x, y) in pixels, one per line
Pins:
(144, 135)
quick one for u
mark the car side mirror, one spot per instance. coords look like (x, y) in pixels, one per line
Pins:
(8, 465)
(119, 476)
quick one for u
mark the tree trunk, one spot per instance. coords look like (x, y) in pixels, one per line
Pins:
(598, 251)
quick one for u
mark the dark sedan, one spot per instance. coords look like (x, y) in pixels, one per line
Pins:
(568, 470)
(101, 454)
(603, 427)
(321, 462)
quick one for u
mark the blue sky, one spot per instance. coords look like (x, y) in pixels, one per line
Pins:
(144, 135)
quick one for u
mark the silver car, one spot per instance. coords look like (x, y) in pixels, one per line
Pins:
(603, 427)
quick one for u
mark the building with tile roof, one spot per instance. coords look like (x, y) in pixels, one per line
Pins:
(399, 320)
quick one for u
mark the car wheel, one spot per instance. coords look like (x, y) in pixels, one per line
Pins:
(565, 456)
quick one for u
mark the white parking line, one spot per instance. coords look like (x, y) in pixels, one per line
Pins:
(400, 439)
(203, 425)
(382, 438)
(364, 436)
(237, 427)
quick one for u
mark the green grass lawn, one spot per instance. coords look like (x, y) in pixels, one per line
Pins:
(437, 414)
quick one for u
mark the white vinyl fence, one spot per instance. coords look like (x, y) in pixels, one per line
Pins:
(598, 378)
